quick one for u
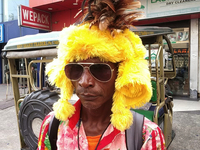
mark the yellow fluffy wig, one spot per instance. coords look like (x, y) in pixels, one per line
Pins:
(132, 86)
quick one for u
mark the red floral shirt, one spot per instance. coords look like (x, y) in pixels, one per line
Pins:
(112, 139)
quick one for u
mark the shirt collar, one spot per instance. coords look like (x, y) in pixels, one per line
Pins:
(76, 116)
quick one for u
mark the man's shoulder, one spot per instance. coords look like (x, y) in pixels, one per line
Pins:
(150, 128)
(149, 124)
(152, 135)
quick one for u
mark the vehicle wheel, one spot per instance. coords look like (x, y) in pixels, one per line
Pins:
(33, 110)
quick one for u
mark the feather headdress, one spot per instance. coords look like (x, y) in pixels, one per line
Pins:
(111, 14)
(99, 36)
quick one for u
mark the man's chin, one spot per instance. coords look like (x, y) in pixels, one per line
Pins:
(90, 105)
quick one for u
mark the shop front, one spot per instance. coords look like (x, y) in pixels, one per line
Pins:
(179, 85)
(180, 43)
(183, 18)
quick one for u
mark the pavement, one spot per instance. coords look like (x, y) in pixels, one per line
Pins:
(186, 122)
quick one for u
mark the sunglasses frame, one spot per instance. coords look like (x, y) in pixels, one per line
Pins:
(88, 67)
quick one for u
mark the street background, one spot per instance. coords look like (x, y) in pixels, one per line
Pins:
(186, 122)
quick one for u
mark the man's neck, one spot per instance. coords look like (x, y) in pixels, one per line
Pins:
(95, 121)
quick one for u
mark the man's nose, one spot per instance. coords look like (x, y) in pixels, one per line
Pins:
(86, 80)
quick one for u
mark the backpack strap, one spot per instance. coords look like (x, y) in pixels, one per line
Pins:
(134, 139)
(53, 131)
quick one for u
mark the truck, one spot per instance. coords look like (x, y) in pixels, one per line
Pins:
(27, 57)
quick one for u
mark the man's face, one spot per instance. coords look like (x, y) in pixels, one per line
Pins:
(93, 93)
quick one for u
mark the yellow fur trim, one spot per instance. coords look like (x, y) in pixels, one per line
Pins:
(132, 87)
(63, 109)
(121, 118)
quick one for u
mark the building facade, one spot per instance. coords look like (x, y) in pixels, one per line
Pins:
(9, 29)
(181, 15)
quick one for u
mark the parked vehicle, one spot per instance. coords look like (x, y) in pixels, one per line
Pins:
(40, 49)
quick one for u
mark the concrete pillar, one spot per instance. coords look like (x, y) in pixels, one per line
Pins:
(194, 36)
(198, 89)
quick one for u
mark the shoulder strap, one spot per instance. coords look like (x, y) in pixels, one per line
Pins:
(53, 131)
(134, 139)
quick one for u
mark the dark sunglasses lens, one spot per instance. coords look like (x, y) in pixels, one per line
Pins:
(73, 71)
(101, 71)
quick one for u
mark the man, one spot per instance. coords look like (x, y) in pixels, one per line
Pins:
(106, 67)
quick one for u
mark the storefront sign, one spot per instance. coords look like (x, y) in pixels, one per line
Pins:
(34, 18)
(1, 33)
(161, 8)
(181, 51)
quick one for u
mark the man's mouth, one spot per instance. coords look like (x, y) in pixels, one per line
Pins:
(87, 96)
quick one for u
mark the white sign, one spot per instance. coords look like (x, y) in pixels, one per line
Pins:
(34, 18)
(162, 8)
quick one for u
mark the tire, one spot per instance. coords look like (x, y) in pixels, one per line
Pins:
(33, 110)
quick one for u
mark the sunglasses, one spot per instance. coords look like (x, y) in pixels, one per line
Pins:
(100, 71)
